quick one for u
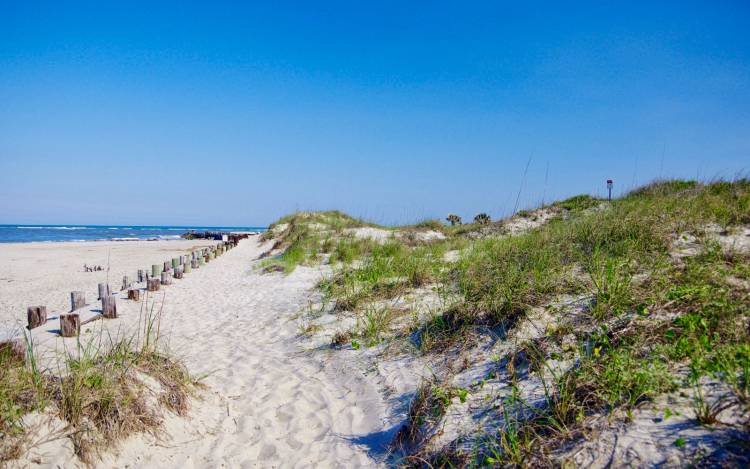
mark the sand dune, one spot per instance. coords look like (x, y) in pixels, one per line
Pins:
(268, 403)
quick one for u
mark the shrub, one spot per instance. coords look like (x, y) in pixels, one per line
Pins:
(454, 219)
(482, 219)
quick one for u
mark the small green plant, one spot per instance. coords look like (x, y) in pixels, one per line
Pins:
(374, 323)
(453, 219)
(611, 280)
(482, 219)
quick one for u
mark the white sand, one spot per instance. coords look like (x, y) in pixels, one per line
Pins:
(46, 273)
(268, 403)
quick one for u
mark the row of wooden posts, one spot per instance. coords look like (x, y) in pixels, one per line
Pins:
(161, 274)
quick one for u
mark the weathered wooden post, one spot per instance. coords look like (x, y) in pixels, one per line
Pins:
(182, 260)
(126, 283)
(37, 315)
(70, 325)
(104, 290)
(109, 307)
(166, 279)
(77, 300)
(134, 294)
(186, 267)
(141, 277)
(153, 284)
(201, 261)
(178, 272)
(155, 270)
(167, 266)
(175, 262)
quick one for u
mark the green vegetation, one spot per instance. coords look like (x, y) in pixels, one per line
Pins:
(656, 321)
(387, 270)
(98, 392)
(453, 219)
(482, 219)
(304, 236)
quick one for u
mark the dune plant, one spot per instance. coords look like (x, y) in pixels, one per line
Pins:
(482, 219)
(453, 219)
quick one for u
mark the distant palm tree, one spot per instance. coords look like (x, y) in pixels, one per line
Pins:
(482, 219)
(454, 219)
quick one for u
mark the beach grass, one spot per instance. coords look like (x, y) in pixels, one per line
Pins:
(98, 389)
(657, 319)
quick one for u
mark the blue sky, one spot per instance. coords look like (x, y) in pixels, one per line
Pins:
(230, 113)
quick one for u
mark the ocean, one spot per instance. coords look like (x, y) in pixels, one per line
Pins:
(52, 233)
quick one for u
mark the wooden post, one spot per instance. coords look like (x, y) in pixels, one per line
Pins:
(153, 284)
(134, 294)
(186, 267)
(141, 277)
(167, 266)
(109, 307)
(70, 325)
(195, 264)
(178, 272)
(155, 270)
(201, 261)
(77, 300)
(126, 283)
(37, 315)
(166, 279)
(104, 290)
(182, 260)
(175, 262)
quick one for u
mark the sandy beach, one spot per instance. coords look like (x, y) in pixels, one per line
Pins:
(267, 403)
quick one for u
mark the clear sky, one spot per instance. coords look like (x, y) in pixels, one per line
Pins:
(235, 113)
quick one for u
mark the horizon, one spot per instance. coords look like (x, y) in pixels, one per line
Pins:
(601, 197)
(235, 115)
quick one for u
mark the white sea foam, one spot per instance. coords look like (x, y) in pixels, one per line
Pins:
(54, 228)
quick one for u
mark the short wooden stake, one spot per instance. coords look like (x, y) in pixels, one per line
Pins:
(186, 267)
(37, 315)
(141, 277)
(175, 262)
(77, 300)
(104, 290)
(178, 272)
(70, 325)
(167, 266)
(109, 307)
(166, 279)
(134, 294)
(155, 270)
(153, 284)
(195, 264)
(126, 283)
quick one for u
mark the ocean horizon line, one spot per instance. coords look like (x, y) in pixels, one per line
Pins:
(30, 232)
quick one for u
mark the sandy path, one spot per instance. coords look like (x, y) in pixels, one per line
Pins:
(269, 403)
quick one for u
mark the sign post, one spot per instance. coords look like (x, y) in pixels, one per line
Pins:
(609, 189)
